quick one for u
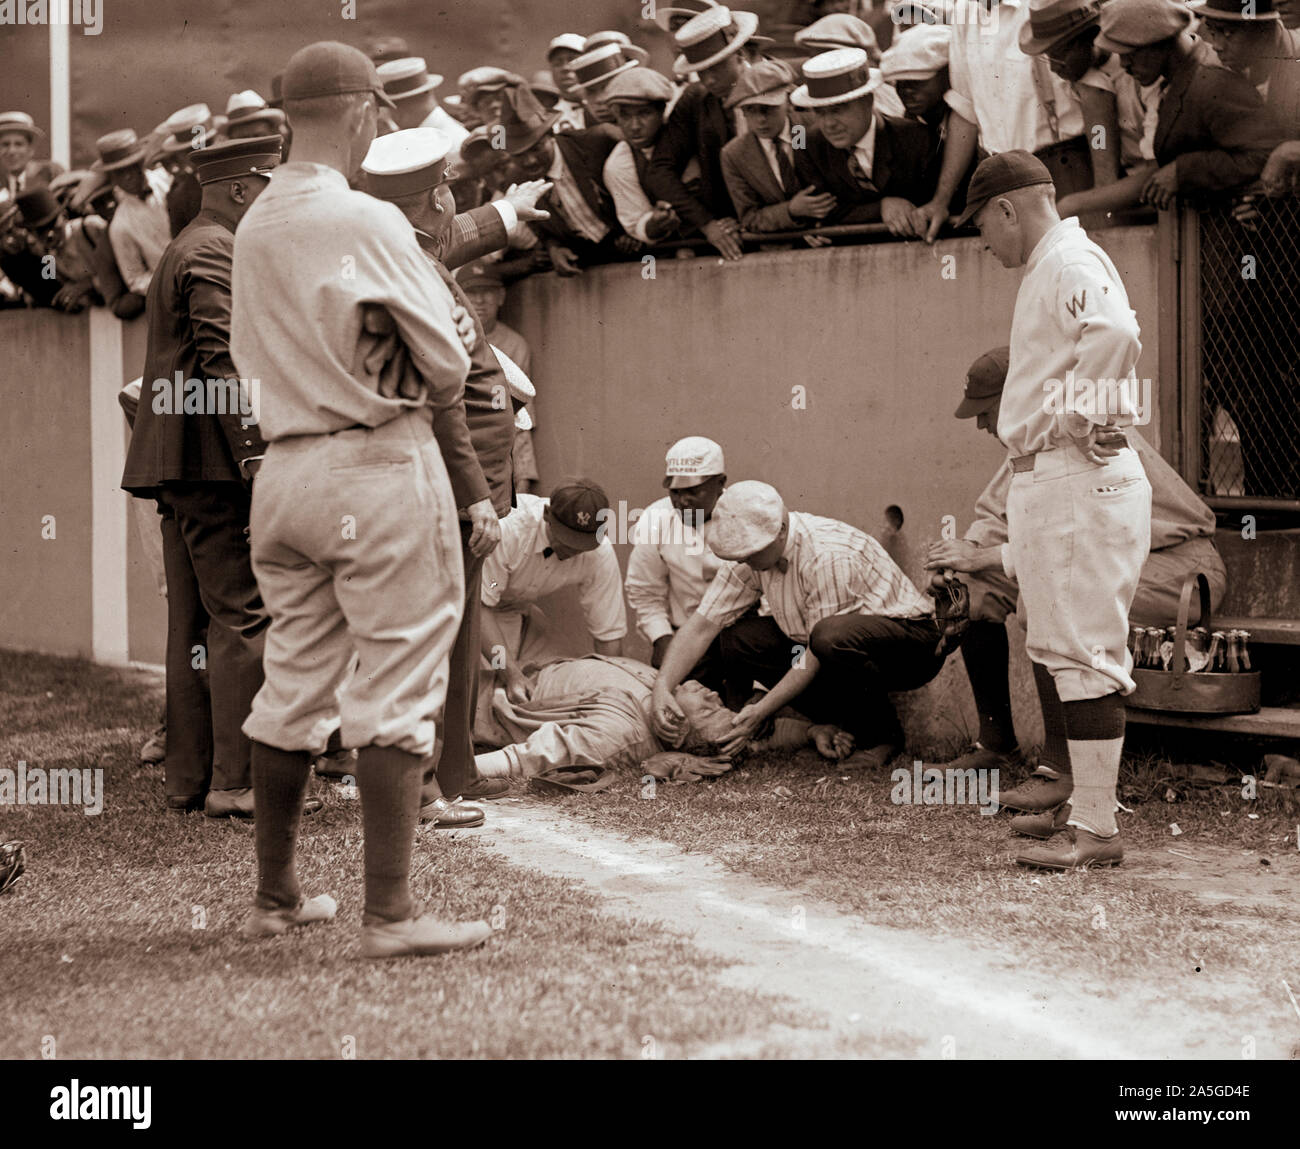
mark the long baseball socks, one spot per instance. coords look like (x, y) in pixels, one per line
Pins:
(984, 651)
(1095, 730)
(390, 782)
(1054, 760)
(280, 780)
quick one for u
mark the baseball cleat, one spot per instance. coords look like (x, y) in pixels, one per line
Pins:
(1074, 849)
(1037, 794)
(421, 936)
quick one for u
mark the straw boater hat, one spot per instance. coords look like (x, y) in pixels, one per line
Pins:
(1054, 21)
(407, 77)
(600, 39)
(247, 107)
(120, 149)
(599, 66)
(712, 36)
(835, 78)
(1261, 11)
(176, 132)
(19, 122)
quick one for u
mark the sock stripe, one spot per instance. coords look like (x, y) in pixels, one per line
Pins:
(1094, 719)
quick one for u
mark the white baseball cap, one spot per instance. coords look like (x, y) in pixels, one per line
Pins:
(748, 517)
(692, 460)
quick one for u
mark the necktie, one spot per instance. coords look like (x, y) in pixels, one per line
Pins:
(859, 173)
(785, 162)
(547, 552)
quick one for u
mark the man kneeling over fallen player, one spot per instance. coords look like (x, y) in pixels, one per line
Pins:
(847, 626)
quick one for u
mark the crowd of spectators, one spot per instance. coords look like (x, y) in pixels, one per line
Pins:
(871, 115)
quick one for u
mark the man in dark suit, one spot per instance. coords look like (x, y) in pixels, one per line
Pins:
(583, 226)
(1213, 132)
(700, 126)
(877, 167)
(194, 448)
(759, 166)
(409, 169)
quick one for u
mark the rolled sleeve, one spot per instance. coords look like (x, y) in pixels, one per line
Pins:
(647, 587)
(731, 593)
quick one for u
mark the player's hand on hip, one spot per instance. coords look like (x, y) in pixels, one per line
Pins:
(485, 534)
(1090, 448)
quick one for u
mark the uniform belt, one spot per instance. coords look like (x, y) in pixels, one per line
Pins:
(1023, 462)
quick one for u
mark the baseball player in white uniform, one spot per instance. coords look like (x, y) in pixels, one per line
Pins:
(1079, 505)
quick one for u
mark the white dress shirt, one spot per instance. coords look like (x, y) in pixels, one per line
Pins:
(446, 123)
(992, 81)
(669, 570)
(517, 573)
(631, 203)
(140, 231)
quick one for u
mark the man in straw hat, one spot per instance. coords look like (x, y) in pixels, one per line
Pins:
(354, 525)
(846, 627)
(19, 168)
(196, 455)
(593, 72)
(1078, 505)
(248, 115)
(878, 168)
(140, 230)
(410, 86)
(560, 54)
(701, 125)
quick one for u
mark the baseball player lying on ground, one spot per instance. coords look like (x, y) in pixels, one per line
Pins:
(595, 711)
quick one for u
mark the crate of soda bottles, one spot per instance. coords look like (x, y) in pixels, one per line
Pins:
(1193, 669)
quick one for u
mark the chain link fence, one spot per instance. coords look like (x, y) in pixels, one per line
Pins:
(1249, 284)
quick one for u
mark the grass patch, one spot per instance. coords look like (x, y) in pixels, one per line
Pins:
(120, 941)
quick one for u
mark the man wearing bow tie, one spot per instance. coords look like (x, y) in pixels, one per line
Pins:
(846, 626)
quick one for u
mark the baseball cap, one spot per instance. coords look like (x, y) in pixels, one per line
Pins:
(1002, 173)
(328, 68)
(574, 516)
(984, 381)
(480, 273)
(748, 517)
(692, 460)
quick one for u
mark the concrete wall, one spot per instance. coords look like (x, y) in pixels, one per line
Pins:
(629, 358)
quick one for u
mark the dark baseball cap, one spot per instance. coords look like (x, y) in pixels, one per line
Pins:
(574, 516)
(328, 68)
(1002, 173)
(985, 379)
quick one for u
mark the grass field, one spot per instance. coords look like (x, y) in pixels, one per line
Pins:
(120, 941)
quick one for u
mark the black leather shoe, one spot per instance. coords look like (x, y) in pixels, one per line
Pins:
(184, 803)
(444, 815)
(1074, 849)
(485, 789)
(1042, 826)
(1038, 793)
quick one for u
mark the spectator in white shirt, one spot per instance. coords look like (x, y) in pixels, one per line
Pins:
(140, 230)
(410, 86)
(671, 566)
(547, 545)
(639, 100)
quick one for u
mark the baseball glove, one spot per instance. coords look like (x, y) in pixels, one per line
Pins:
(951, 612)
(13, 861)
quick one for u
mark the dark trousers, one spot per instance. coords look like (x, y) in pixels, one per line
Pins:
(452, 768)
(863, 659)
(210, 587)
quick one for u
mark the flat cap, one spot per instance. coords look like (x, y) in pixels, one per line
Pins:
(257, 156)
(919, 53)
(767, 82)
(1129, 24)
(639, 85)
(404, 163)
(1002, 173)
(748, 516)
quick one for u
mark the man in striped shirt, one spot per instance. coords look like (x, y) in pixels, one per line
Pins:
(846, 628)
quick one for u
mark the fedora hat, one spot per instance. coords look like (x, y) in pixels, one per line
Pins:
(118, 149)
(713, 35)
(1054, 21)
(524, 119)
(37, 207)
(599, 66)
(247, 107)
(19, 122)
(835, 77)
(630, 50)
(408, 77)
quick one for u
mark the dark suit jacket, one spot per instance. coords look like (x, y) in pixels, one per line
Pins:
(489, 413)
(189, 332)
(1213, 125)
(901, 166)
(699, 127)
(474, 234)
(761, 203)
(585, 153)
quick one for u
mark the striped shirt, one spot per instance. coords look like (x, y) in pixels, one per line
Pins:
(832, 569)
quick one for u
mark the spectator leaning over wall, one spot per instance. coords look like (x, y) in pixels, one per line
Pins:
(140, 230)
(1250, 38)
